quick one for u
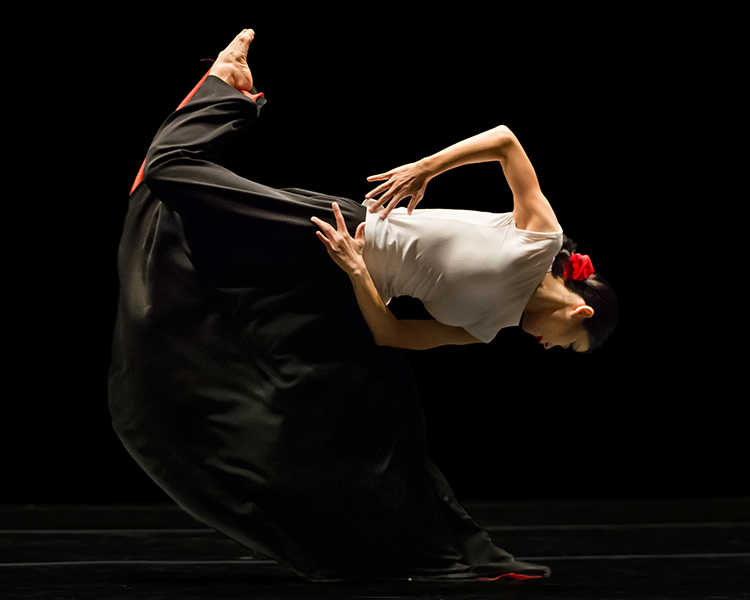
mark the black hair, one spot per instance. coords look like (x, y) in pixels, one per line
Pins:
(596, 293)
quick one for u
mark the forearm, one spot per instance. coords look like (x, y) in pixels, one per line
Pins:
(387, 330)
(348, 253)
(382, 322)
(485, 147)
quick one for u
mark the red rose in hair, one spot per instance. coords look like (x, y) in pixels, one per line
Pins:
(578, 267)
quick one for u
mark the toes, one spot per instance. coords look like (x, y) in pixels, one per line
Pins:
(241, 42)
(246, 37)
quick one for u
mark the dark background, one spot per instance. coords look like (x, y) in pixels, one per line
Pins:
(621, 118)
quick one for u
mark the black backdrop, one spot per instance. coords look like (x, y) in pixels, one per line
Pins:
(610, 115)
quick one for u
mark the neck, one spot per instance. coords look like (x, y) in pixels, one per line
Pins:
(551, 294)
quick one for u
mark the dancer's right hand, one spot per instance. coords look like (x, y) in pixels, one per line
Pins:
(345, 250)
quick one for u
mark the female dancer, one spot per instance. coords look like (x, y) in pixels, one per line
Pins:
(475, 272)
(244, 377)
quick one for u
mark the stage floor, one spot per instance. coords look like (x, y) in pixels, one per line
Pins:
(598, 550)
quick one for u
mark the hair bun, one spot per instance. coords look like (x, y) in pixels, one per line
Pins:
(592, 288)
(568, 249)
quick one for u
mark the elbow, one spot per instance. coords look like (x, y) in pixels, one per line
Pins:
(384, 341)
(506, 140)
(388, 339)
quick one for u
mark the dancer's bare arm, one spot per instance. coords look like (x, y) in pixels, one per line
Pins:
(387, 330)
(531, 208)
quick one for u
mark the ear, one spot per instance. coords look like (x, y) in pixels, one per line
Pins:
(583, 312)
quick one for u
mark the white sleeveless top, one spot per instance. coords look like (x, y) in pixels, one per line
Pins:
(470, 269)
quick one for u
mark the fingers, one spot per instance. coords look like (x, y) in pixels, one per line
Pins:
(394, 199)
(413, 202)
(340, 222)
(327, 227)
(380, 177)
(359, 236)
(347, 252)
(387, 177)
(322, 224)
(321, 235)
(388, 208)
(391, 193)
(381, 188)
(324, 239)
(330, 236)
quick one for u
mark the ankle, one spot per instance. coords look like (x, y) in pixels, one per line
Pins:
(223, 72)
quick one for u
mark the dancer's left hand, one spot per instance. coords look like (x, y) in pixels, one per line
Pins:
(406, 181)
(345, 250)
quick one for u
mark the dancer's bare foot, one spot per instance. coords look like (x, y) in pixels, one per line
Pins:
(231, 64)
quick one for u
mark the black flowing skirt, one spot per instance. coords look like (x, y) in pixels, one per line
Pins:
(246, 383)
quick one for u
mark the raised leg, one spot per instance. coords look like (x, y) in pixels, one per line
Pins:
(181, 168)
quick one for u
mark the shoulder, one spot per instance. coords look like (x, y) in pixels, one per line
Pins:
(531, 209)
(542, 245)
(537, 216)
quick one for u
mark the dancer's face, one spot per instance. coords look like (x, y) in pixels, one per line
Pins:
(562, 327)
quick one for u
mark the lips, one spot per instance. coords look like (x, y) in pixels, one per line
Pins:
(539, 339)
